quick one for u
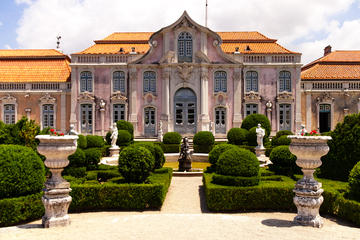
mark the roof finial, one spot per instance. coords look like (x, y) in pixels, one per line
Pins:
(58, 41)
(206, 13)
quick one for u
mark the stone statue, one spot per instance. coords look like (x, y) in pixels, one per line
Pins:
(72, 130)
(260, 133)
(185, 158)
(102, 104)
(160, 132)
(302, 131)
(114, 135)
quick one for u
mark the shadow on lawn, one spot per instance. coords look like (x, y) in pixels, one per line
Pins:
(28, 226)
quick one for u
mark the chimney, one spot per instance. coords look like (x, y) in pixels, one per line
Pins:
(327, 50)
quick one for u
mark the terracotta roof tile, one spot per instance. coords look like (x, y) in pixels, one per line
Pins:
(115, 48)
(255, 48)
(29, 53)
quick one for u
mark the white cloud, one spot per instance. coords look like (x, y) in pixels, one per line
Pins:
(1, 24)
(7, 46)
(23, 1)
(81, 21)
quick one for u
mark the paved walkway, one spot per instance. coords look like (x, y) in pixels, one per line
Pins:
(183, 216)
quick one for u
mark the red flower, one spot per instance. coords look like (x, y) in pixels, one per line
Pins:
(52, 130)
(61, 134)
(55, 133)
(313, 132)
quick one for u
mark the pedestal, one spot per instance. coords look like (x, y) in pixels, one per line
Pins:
(114, 151)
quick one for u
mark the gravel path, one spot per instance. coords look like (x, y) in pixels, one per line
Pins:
(183, 216)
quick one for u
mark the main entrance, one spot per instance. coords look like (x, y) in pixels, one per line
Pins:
(185, 111)
(325, 117)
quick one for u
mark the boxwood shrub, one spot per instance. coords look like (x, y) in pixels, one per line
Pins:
(235, 180)
(251, 137)
(280, 141)
(77, 159)
(170, 148)
(237, 136)
(283, 161)
(156, 151)
(21, 171)
(172, 138)
(203, 142)
(215, 153)
(77, 172)
(82, 141)
(354, 182)
(125, 125)
(124, 138)
(94, 141)
(253, 120)
(136, 163)
(93, 156)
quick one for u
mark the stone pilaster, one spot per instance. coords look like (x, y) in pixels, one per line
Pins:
(204, 101)
(308, 111)
(297, 99)
(63, 112)
(74, 97)
(133, 100)
(165, 99)
(237, 119)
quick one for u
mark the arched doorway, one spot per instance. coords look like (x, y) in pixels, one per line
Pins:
(185, 111)
(324, 118)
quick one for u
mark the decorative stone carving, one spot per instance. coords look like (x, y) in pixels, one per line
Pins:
(72, 130)
(160, 131)
(154, 43)
(149, 97)
(285, 96)
(325, 97)
(168, 57)
(308, 199)
(47, 99)
(102, 105)
(56, 197)
(185, 71)
(216, 43)
(220, 97)
(8, 99)
(86, 96)
(202, 57)
(260, 133)
(119, 98)
(252, 96)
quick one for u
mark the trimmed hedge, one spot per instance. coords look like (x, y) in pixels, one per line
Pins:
(93, 156)
(354, 182)
(156, 151)
(77, 159)
(136, 163)
(82, 141)
(172, 138)
(77, 172)
(253, 120)
(124, 138)
(215, 153)
(284, 162)
(236, 180)
(22, 172)
(203, 142)
(94, 141)
(237, 136)
(170, 148)
(281, 141)
(125, 125)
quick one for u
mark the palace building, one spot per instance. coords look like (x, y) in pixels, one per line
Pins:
(36, 84)
(330, 89)
(187, 77)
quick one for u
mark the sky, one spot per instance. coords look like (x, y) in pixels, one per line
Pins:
(305, 26)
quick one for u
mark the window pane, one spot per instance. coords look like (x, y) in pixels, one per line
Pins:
(251, 81)
(185, 47)
(285, 81)
(86, 81)
(220, 81)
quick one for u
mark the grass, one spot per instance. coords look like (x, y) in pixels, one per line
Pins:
(201, 165)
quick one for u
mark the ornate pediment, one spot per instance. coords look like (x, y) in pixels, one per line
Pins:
(325, 97)
(86, 96)
(47, 99)
(252, 96)
(185, 23)
(8, 99)
(169, 57)
(285, 96)
(118, 97)
(184, 71)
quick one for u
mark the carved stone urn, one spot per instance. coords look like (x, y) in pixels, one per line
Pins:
(308, 199)
(56, 197)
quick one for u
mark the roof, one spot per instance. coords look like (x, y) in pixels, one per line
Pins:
(257, 42)
(337, 65)
(34, 66)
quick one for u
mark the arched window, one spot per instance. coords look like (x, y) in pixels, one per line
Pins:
(149, 82)
(86, 81)
(185, 47)
(220, 81)
(251, 81)
(285, 81)
(119, 81)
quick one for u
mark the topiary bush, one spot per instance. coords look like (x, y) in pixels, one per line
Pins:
(215, 153)
(125, 125)
(282, 140)
(354, 182)
(21, 171)
(107, 138)
(252, 138)
(344, 150)
(156, 151)
(283, 161)
(170, 148)
(82, 141)
(136, 163)
(124, 138)
(77, 159)
(203, 141)
(172, 138)
(94, 141)
(93, 156)
(238, 162)
(253, 120)
(237, 136)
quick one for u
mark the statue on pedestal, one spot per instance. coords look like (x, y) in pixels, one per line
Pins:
(114, 135)
(302, 131)
(72, 130)
(260, 133)
(185, 158)
(160, 132)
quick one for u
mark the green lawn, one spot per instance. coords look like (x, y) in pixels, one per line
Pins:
(201, 165)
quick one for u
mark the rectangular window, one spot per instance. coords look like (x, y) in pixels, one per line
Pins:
(284, 117)
(86, 118)
(251, 109)
(9, 113)
(149, 82)
(48, 115)
(119, 81)
(119, 112)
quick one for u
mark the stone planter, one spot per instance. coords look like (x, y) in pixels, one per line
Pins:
(308, 199)
(56, 197)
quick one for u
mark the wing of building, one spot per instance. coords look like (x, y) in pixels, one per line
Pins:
(187, 77)
(330, 89)
(36, 84)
